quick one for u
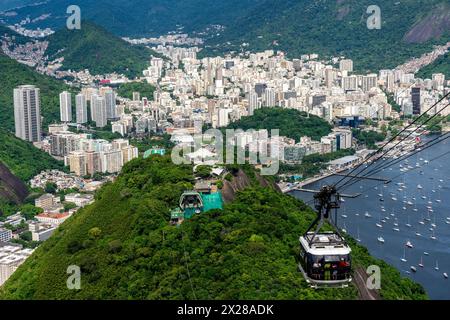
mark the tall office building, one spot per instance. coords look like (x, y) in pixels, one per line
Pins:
(110, 100)
(65, 106)
(27, 113)
(98, 111)
(81, 108)
(415, 97)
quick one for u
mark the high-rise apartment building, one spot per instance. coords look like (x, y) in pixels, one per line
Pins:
(110, 100)
(81, 108)
(98, 111)
(65, 106)
(370, 81)
(346, 65)
(27, 113)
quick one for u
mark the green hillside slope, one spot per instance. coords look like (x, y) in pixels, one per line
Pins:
(14, 74)
(22, 158)
(441, 65)
(93, 48)
(127, 250)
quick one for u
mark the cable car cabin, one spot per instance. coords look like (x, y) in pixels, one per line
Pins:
(325, 260)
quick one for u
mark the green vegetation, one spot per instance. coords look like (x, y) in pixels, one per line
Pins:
(391, 101)
(126, 90)
(95, 49)
(14, 74)
(368, 138)
(291, 123)
(203, 171)
(313, 164)
(434, 125)
(126, 248)
(23, 159)
(441, 65)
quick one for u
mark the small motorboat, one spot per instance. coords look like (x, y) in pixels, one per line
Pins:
(445, 275)
(409, 244)
(380, 239)
(413, 269)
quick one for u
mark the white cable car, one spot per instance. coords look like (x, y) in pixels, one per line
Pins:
(325, 257)
(325, 260)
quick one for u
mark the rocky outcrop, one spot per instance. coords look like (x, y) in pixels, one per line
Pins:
(241, 181)
(432, 26)
(11, 188)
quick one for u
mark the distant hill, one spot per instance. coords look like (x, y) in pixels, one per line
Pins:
(14, 74)
(94, 48)
(327, 27)
(126, 249)
(10, 4)
(291, 123)
(333, 28)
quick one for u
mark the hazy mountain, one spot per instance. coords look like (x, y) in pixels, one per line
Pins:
(328, 27)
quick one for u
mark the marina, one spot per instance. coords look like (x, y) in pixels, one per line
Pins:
(410, 225)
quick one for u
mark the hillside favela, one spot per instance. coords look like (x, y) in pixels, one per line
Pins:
(239, 151)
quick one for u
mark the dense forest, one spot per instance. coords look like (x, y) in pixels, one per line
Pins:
(126, 248)
(14, 74)
(93, 48)
(291, 123)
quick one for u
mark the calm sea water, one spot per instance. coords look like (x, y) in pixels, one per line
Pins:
(434, 178)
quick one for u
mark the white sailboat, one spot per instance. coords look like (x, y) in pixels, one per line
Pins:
(409, 244)
(437, 266)
(421, 262)
(380, 239)
(357, 235)
(408, 224)
(403, 259)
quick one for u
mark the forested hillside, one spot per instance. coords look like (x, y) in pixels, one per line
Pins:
(126, 248)
(93, 48)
